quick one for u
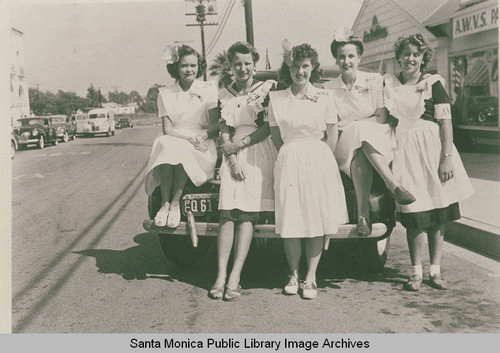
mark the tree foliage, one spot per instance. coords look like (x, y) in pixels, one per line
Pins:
(150, 105)
(220, 68)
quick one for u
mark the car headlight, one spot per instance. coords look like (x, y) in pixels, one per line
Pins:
(35, 133)
(59, 129)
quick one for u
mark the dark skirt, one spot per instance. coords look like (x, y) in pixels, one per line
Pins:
(238, 216)
(431, 218)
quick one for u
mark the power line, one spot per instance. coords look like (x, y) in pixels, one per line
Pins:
(221, 28)
(218, 28)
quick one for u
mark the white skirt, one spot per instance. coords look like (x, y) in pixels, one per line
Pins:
(310, 199)
(416, 164)
(379, 136)
(255, 193)
(199, 166)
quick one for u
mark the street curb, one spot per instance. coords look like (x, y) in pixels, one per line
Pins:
(476, 236)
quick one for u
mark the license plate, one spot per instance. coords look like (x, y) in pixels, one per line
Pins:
(200, 204)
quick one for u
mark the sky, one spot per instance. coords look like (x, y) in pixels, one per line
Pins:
(69, 45)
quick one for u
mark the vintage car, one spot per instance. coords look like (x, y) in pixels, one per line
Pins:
(36, 131)
(483, 108)
(79, 120)
(13, 145)
(197, 232)
(101, 121)
(123, 123)
(64, 128)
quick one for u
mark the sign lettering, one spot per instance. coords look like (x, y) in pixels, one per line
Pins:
(474, 22)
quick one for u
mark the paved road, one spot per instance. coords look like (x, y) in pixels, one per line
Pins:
(82, 263)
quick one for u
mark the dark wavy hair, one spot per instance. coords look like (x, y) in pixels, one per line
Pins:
(173, 69)
(417, 40)
(303, 51)
(242, 48)
(334, 47)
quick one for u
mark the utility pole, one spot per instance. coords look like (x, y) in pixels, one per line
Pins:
(203, 8)
(37, 99)
(249, 21)
(100, 98)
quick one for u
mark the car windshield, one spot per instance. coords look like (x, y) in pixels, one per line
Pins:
(31, 122)
(58, 120)
(97, 116)
(80, 118)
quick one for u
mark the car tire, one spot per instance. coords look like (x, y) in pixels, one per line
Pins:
(74, 137)
(481, 117)
(113, 133)
(12, 149)
(41, 142)
(66, 137)
(108, 133)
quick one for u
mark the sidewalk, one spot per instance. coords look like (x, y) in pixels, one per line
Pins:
(479, 228)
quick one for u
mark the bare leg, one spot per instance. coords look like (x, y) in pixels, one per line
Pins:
(293, 251)
(224, 246)
(380, 164)
(415, 238)
(314, 247)
(244, 234)
(180, 179)
(166, 172)
(362, 177)
(435, 236)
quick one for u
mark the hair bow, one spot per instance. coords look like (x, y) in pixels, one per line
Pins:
(287, 52)
(342, 34)
(170, 54)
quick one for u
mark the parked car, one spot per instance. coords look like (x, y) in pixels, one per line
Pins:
(197, 232)
(483, 108)
(13, 145)
(36, 131)
(123, 123)
(101, 121)
(79, 120)
(64, 128)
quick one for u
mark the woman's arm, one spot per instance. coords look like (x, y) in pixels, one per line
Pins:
(276, 137)
(332, 133)
(445, 164)
(168, 129)
(236, 170)
(255, 137)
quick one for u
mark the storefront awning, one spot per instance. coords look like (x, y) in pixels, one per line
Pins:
(478, 76)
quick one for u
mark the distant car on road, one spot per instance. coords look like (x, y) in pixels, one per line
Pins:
(36, 130)
(123, 123)
(79, 120)
(101, 121)
(64, 129)
(483, 108)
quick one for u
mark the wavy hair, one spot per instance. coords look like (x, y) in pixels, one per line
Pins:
(417, 40)
(242, 48)
(303, 51)
(173, 69)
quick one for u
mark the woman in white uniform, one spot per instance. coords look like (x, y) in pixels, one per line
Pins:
(247, 166)
(367, 141)
(309, 194)
(185, 149)
(426, 161)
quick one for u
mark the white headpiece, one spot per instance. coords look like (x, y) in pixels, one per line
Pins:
(342, 34)
(287, 52)
(171, 54)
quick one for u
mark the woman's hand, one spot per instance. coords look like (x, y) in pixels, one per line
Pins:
(230, 148)
(445, 169)
(237, 171)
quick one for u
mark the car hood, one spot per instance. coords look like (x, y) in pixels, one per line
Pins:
(22, 129)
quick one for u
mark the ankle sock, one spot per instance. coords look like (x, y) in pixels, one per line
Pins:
(418, 270)
(434, 269)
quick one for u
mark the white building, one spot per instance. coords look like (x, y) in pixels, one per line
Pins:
(20, 104)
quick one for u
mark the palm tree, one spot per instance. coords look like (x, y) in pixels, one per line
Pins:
(220, 68)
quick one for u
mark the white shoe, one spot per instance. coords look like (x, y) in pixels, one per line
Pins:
(292, 287)
(161, 217)
(174, 217)
(310, 290)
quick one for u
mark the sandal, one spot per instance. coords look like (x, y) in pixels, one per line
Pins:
(174, 217)
(403, 196)
(216, 292)
(161, 217)
(232, 294)
(364, 227)
(438, 282)
(414, 283)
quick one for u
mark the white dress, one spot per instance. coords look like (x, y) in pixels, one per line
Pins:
(356, 109)
(310, 199)
(418, 151)
(255, 193)
(188, 112)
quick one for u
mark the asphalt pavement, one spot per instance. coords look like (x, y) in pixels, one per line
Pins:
(82, 263)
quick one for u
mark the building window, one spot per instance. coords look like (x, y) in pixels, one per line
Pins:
(474, 88)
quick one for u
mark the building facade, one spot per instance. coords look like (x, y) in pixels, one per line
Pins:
(20, 105)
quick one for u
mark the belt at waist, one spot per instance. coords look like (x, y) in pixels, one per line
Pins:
(291, 139)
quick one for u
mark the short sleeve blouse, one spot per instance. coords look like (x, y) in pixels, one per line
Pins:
(364, 98)
(187, 108)
(302, 117)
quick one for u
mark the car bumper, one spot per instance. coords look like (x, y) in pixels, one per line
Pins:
(27, 142)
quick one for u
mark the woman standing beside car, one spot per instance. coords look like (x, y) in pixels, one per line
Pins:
(309, 194)
(185, 149)
(247, 168)
(426, 161)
